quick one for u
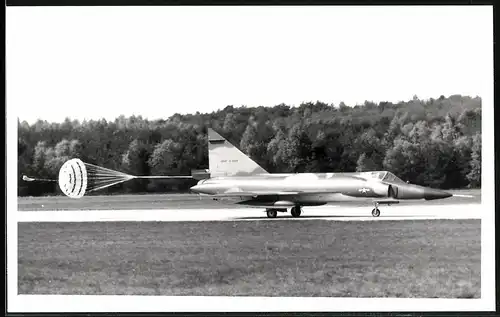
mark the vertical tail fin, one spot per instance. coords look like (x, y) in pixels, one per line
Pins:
(224, 159)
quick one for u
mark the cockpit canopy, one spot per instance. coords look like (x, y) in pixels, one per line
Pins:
(389, 177)
(384, 176)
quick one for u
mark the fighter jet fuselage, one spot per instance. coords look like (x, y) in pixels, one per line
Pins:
(233, 175)
(315, 188)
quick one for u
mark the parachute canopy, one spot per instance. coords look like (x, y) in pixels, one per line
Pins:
(73, 178)
(77, 178)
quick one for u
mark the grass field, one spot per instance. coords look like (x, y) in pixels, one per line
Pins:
(178, 201)
(420, 258)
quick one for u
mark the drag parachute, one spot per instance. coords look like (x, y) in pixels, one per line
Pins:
(77, 178)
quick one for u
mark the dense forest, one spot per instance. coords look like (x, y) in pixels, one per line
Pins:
(435, 142)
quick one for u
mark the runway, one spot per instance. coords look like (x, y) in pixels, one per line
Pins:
(330, 213)
(330, 251)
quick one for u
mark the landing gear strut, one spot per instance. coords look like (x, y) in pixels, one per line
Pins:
(376, 211)
(296, 211)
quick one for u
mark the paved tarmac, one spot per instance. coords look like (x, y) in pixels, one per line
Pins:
(332, 213)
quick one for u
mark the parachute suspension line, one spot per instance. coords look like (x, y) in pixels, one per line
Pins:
(161, 177)
(100, 177)
(103, 170)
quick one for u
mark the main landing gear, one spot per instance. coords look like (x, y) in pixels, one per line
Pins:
(296, 211)
(273, 213)
(376, 211)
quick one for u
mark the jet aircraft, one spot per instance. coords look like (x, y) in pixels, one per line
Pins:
(233, 175)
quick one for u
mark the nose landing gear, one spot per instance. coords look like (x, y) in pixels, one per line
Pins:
(376, 211)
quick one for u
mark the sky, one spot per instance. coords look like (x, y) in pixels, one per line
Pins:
(103, 62)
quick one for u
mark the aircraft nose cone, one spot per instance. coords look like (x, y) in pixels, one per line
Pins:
(430, 194)
(195, 189)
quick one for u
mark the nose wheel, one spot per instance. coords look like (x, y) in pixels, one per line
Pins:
(376, 211)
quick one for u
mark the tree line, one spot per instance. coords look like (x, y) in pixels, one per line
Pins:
(435, 142)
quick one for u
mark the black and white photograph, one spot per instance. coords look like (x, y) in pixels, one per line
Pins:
(250, 158)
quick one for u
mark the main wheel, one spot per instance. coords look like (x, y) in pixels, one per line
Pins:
(271, 213)
(375, 212)
(296, 211)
